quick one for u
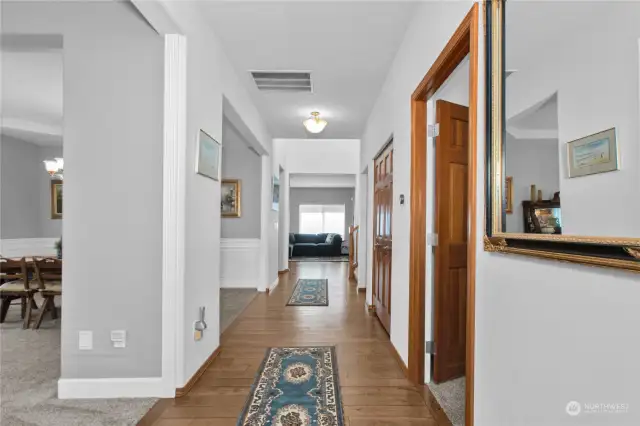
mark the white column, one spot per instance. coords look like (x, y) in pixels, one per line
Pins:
(173, 222)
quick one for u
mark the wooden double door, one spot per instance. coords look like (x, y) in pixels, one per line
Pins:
(382, 235)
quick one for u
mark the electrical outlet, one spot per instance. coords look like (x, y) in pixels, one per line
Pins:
(119, 338)
(85, 340)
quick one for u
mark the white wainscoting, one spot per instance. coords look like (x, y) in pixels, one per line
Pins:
(239, 262)
(28, 247)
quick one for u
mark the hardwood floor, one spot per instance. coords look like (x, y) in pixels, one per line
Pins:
(375, 391)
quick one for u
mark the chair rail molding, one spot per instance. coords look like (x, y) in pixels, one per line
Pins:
(20, 247)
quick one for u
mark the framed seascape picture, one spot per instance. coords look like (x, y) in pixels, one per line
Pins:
(56, 199)
(276, 193)
(597, 153)
(208, 156)
(230, 198)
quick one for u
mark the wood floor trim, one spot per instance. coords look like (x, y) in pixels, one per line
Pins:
(398, 358)
(284, 271)
(180, 392)
(434, 407)
(462, 43)
(155, 412)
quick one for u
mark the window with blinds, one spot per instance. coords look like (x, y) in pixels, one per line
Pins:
(318, 219)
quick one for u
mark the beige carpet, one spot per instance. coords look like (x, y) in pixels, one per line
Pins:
(29, 372)
(450, 396)
(232, 303)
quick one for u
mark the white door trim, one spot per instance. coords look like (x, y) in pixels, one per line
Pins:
(173, 217)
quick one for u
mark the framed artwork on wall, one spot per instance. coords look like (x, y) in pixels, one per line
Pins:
(208, 156)
(276, 193)
(597, 153)
(230, 198)
(56, 199)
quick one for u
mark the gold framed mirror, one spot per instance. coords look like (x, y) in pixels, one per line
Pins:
(563, 131)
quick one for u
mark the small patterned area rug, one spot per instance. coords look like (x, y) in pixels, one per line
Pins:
(295, 387)
(310, 292)
(320, 259)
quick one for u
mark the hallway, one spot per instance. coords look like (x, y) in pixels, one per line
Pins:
(374, 389)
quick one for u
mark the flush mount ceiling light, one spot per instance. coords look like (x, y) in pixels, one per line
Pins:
(315, 124)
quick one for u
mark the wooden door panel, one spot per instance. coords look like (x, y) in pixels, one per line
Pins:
(383, 201)
(451, 222)
(457, 204)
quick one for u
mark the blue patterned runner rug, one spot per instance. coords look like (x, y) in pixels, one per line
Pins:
(295, 387)
(310, 293)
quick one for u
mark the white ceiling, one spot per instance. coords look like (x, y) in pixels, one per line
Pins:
(543, 116)
(32, 90)
(348, 46)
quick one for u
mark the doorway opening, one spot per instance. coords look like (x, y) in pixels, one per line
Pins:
(443, 220)
(447, 231)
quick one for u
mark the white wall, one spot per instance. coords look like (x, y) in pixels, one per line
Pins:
(391, 115)
(113, 114)
(211, 83)
(270, 227)
(239, 162)
(26, 191)
(530, 162)
(542, 342)
(573, 68)
(322, 181)
(319, 156)
(362, 211)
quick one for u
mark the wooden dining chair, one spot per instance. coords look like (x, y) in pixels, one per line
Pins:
(15, 285)
(48, 273)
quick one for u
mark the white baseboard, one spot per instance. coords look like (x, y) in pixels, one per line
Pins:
(274, 284)
(239, 262)
(152, 387)
(20, 247)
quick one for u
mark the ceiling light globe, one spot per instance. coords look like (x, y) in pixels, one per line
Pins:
(315, 124)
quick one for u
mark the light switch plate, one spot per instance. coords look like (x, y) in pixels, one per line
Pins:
(85, 340)
(119, 338)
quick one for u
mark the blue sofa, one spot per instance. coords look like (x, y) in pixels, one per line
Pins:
(316, 245)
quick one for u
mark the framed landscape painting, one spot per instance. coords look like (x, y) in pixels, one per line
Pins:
(208, 156)
(597, 153)
(56, 199)
(230, 198)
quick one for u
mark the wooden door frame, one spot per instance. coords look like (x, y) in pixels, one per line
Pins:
(463, 42)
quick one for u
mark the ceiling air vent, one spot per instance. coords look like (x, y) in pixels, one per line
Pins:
(283, 81)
